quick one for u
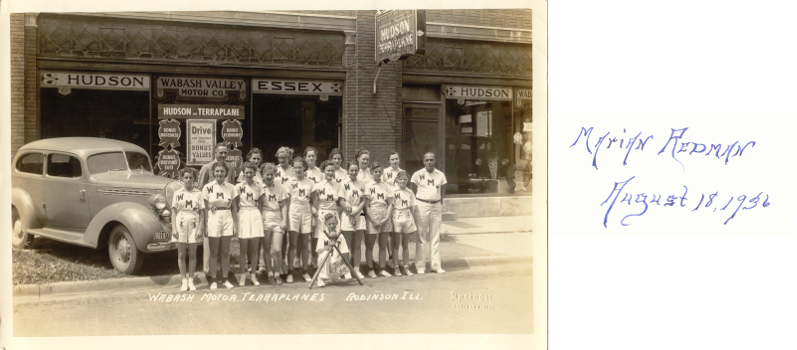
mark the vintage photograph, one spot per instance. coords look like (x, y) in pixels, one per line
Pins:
(273, 172)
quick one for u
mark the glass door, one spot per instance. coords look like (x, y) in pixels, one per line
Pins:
(421, 133)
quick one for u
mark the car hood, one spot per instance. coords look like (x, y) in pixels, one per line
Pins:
(131, 180)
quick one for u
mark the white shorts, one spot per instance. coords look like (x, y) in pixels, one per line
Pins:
(250, 223)
(272, 221)
(299, 217)
(220, 223)
(187, 222)
(345, 223)
(403, 222)
(319, 227)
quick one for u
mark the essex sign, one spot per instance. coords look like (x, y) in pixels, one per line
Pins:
(296, 87)
(399, 34)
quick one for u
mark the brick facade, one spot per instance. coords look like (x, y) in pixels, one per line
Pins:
(504, 18)
(17, 75)
(372, 120)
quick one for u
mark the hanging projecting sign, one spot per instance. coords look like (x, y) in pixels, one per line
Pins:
(399, 34)
(526, 126)
(297, 87)
(469, 92)
(201, 138)
(202, 87)
(65, 81)
(181, 111)
(521, 96)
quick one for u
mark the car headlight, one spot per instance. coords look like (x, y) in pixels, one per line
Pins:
(158, 202)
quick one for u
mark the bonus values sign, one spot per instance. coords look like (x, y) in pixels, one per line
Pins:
(399, 34)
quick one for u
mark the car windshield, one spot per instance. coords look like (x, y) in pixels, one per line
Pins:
(118, 161)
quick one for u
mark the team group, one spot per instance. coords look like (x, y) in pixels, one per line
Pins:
(335, 203)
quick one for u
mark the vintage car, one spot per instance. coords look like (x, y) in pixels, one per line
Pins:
(92, 192)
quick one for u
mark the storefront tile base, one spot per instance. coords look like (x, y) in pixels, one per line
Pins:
(476, 207)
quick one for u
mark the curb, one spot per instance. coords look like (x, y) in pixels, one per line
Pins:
(199, 278)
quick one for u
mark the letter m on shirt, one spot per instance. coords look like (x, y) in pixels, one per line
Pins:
(302, 192)
(220, 195)
(272, 198)
(380, 196)
(189, 203)
(250, 196)
(430, 182)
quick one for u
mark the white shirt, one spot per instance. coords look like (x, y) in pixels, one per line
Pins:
(219, 196)
(429, 184)
(389, 176)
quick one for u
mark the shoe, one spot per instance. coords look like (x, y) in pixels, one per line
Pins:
(315, 264)
(421, 272)
(213, 285)
(254, 280)
(307, 277)
(439, 270)
(184, 286)
(347, 275)
(278, 279)
(372, 274)
(397, 273)
(229, 285)
(289, 279)
(407, 270)
(360, 275)
(191, 285)
(384, 273)
(242, 280)
(390, 264)
(320, 283)
(272, 280)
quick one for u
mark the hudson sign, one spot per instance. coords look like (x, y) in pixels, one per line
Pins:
(400, 34)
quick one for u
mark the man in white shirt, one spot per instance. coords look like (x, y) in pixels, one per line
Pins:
(429, 184)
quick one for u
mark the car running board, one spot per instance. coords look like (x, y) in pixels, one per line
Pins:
(66, 236)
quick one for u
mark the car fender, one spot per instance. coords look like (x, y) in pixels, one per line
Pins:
(141, 221)
(29, 215)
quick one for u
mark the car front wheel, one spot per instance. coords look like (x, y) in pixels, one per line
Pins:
(19, 237)
(122, 251)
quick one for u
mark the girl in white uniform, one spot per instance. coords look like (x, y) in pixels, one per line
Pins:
(317, 175)
(299, 214)
(364, 175)
(187, 225)
(404, 218)
(274, 206)
(379, 209)
(389, 175)
(325, 199)
(221, 212)
(337, 159)
(250, 222)
(352, 223)
(329, 236)
(284, 173)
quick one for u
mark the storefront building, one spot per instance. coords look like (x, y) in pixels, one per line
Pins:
(178, 82)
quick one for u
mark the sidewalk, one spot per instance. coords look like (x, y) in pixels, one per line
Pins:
(501, 224)
(476, 242)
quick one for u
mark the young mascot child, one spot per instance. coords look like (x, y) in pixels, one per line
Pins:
(334, 266)
(404, 218)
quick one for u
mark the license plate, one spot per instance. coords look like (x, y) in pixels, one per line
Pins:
(162, 236)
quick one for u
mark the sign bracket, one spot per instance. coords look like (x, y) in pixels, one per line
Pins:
(377, 75)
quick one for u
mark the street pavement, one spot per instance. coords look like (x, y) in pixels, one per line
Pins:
(474, 300)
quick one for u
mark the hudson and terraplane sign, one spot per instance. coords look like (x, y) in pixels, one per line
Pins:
(399, 34)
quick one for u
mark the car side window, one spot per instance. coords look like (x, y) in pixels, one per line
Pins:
(32, 163)
(103, 162)
(62, 165)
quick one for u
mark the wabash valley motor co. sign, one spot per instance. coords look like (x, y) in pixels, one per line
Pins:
(400, 34)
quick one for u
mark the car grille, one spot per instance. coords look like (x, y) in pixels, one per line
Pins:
(125, 193)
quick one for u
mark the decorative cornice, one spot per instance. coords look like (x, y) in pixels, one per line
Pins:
(237, 18)
(468, 32)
